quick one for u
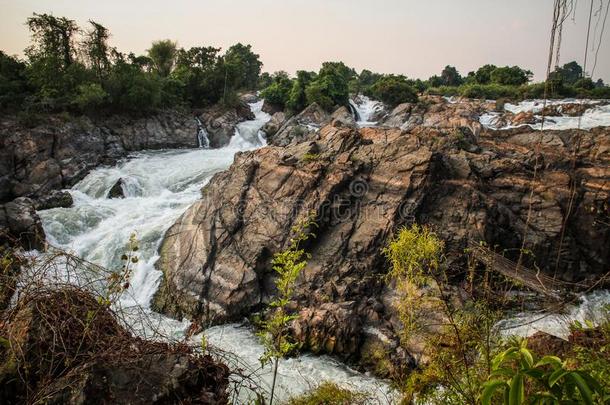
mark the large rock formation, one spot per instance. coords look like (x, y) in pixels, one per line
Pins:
(220, 122)
(65, 347)
(364, 184)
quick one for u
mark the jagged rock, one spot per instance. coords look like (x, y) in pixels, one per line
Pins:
(467, 183)
(300, 127)
(523, 118)
(270, 108)
(436, 112)
(55, 199)
(20, 222)
(220, 122)
(116, 191)
(248, 98)
(66, 347)
(342, 117)
(274, 124)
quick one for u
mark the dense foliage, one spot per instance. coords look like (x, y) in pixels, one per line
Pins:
(69, 69)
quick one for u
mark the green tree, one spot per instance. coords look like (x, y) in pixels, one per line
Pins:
(96, 49)
(510, 76)
(297, 99)
(450, 76)
(483, 74)
(243, 66)
(163, 56)
(13, 82)
(569, 73)
(330, 88)
(278, 92)
(393, 90)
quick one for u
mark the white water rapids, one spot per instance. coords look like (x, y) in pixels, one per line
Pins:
(597, 115)
(159, 186)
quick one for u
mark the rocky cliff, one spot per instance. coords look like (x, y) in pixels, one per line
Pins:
(434, 165)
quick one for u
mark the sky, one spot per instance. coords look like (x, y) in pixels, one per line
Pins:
(415, 38)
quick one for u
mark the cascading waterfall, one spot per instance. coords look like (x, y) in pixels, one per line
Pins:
(364, 110)
(159, 186)
(202, 135)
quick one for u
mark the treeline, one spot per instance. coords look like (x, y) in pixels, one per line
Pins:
(331, 86)
(68, 68)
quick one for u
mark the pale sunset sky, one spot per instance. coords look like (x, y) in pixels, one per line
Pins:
(415, 38)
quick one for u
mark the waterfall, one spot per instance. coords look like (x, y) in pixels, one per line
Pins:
(364, 109)
(159, 187)
(202, 135)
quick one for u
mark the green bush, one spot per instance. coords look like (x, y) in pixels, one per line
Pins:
(330, 88)
(393, 90)
(278, 92)
(90, 96)
(328, 393)
(489, 91)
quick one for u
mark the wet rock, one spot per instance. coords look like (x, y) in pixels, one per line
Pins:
(275, 123)
(270, 108)
(220, 122)
(342, 117)
(300, 127)
(55, 199)
(20, 223)
(54, 354)
(523, 118)
(116, 191)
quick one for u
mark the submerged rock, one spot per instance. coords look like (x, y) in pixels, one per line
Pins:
(116, 191)
(55, 199)
(66, 347)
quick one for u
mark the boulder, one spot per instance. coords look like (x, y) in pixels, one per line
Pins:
(300, 127)
(55, 199)
(66, 347)
(20, 223)
(274, 124)
(116, 191)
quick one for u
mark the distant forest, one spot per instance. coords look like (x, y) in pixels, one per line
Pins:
(68, 68)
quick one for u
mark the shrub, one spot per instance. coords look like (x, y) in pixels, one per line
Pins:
(90, 96)
(393, 90)
(330, 394)
(278, 92)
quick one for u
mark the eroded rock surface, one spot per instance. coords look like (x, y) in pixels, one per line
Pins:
(466, 182)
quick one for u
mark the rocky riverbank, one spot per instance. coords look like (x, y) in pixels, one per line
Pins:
(37, 160)
(431, 162)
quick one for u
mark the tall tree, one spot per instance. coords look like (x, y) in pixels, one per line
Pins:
(450, 76)
(163, 55)
(243, 66)
(96, 49)
(53, 38)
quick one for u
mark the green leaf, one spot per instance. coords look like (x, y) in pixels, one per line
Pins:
(516, 393)
(584, 389)
(489, 388)
(552, 360)
(527, 356)
(556, 376)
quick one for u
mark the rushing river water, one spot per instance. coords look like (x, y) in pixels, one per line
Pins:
(159, 186)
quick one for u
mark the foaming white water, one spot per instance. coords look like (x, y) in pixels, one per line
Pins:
(591, 308)
(295, 375)
(159, 186)
(597, 115)
(366, 108)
